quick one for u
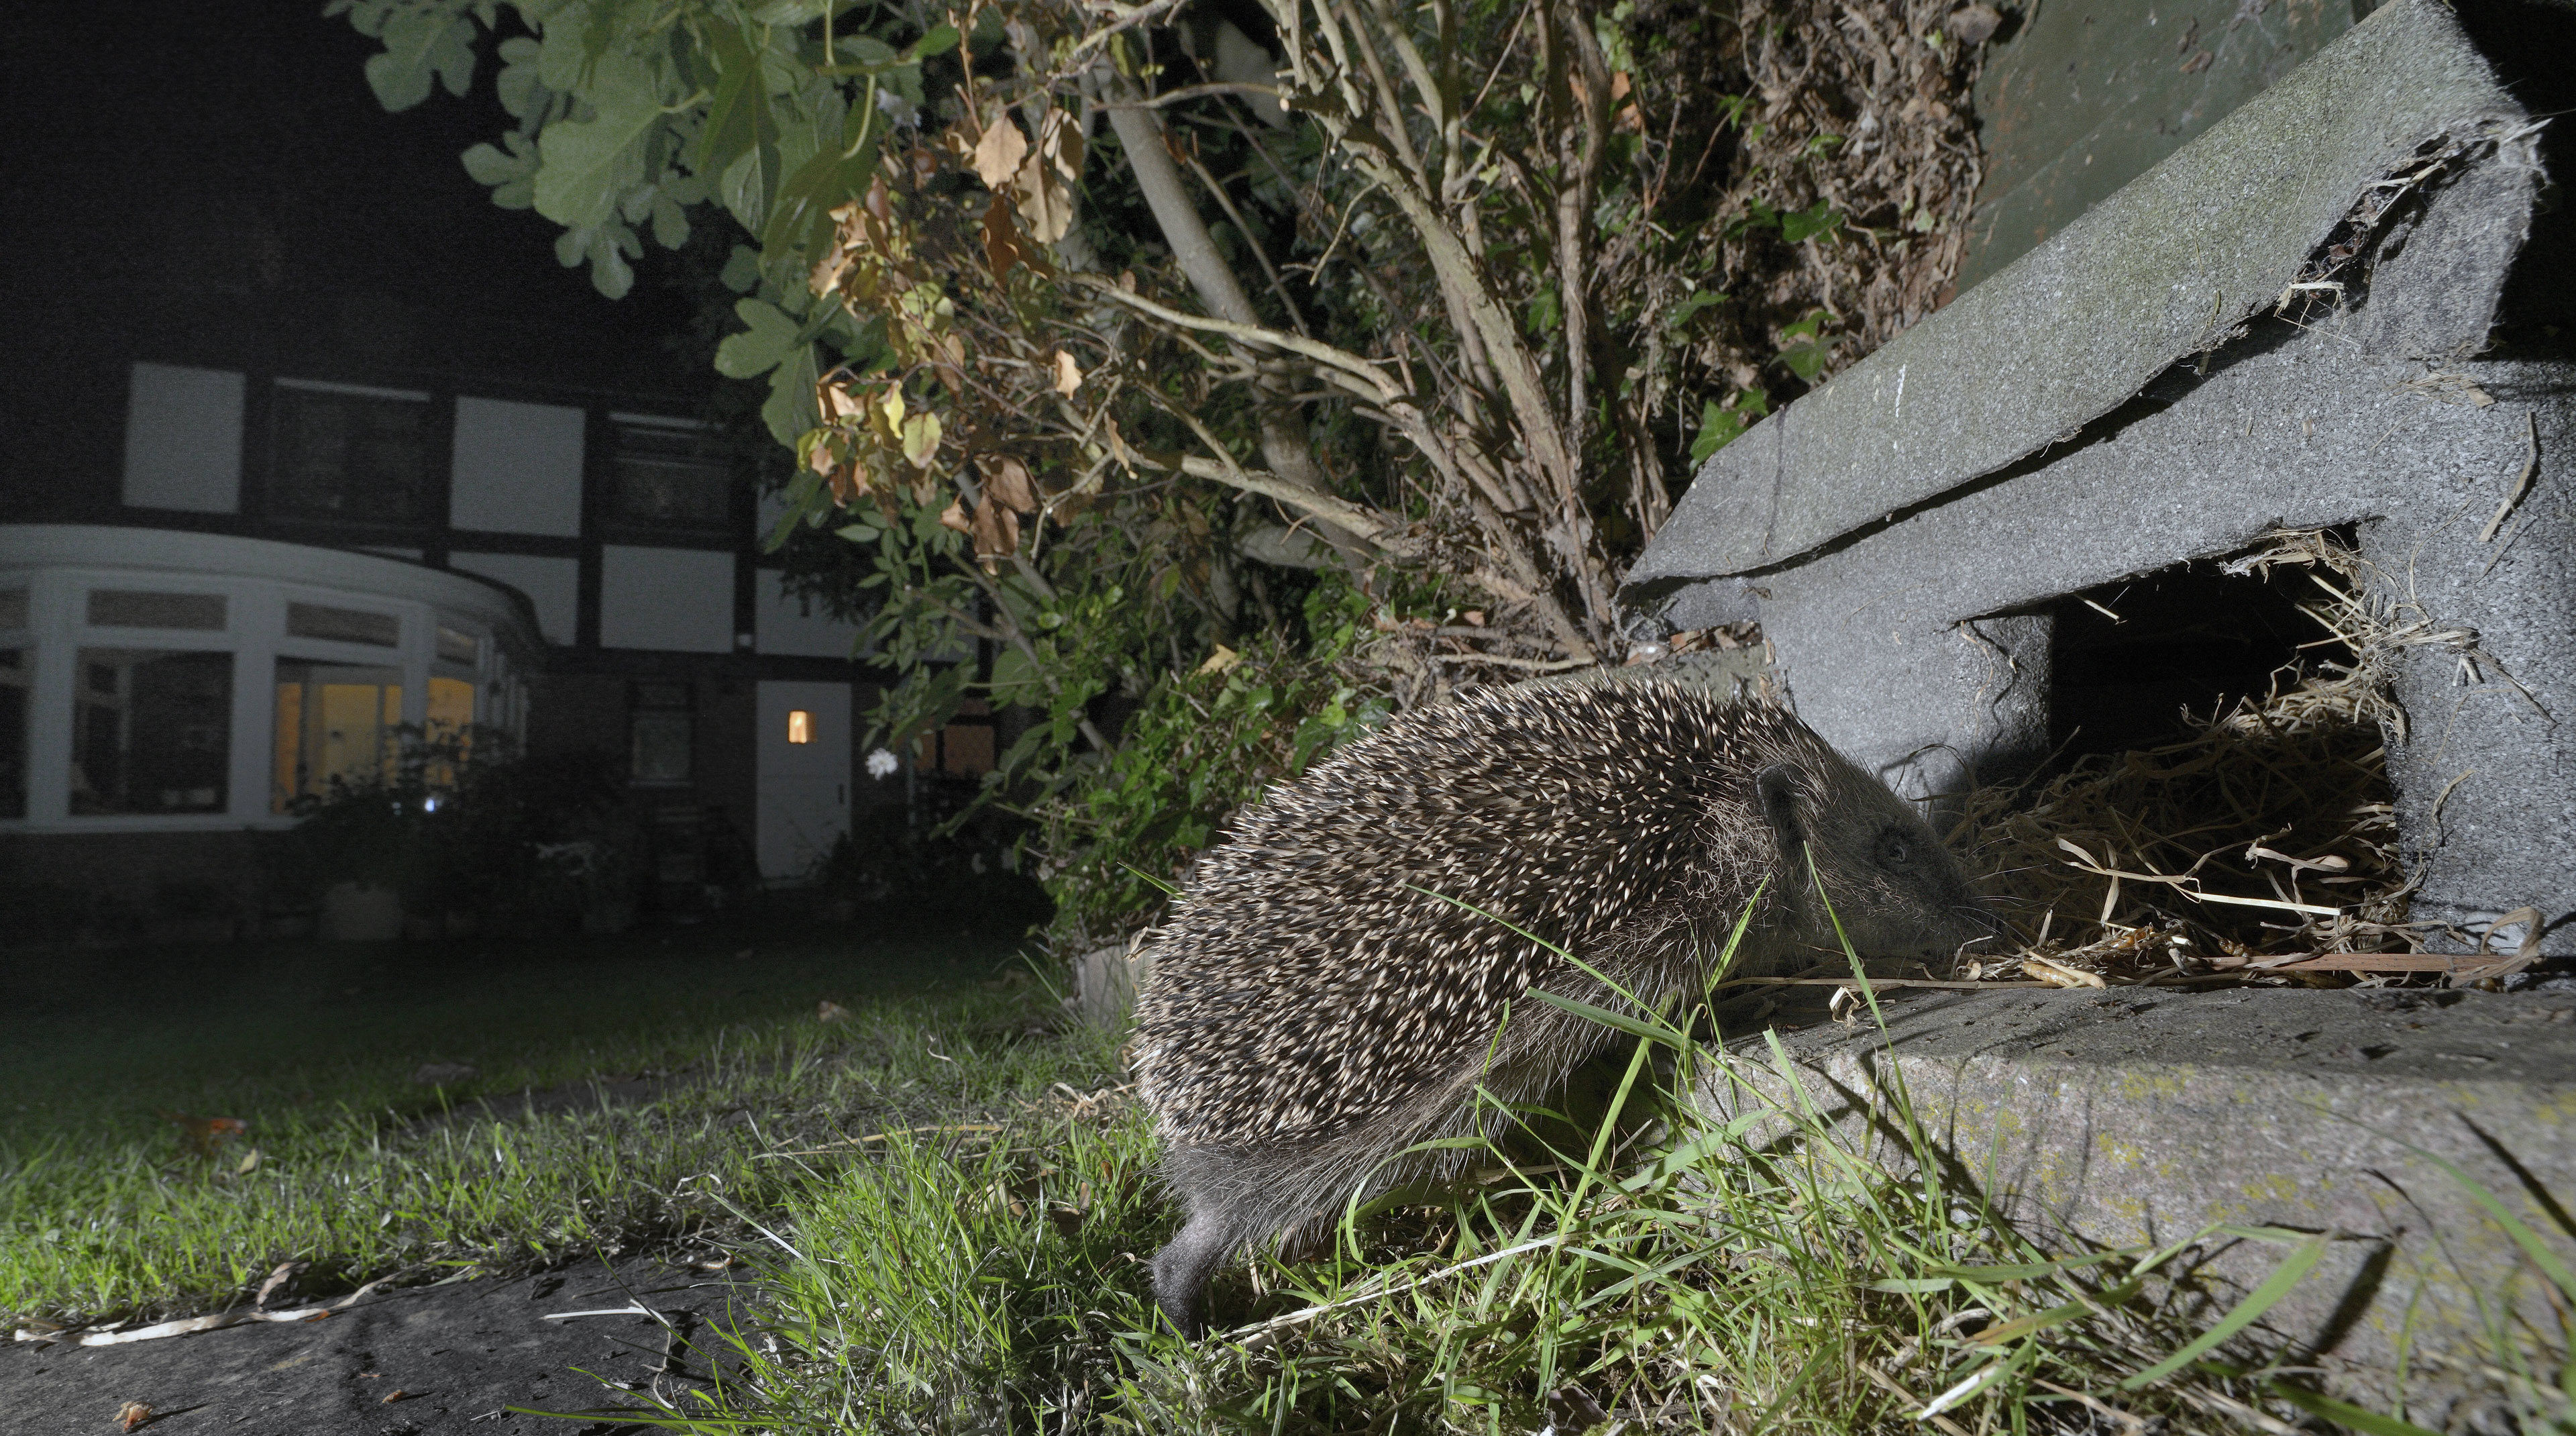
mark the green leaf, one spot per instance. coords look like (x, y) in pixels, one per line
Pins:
(742, 269)
(759, 348)
(789, 410)
(1722, 424)
(670, 222)
(520, 90)
(1815, 219)
(420, 44)
(1013, 674)
(1684, 312)
(740, 130)
(589, 165)
(606, 247)
(2289, 1273)
(512, 176)
(834, 176)
(938, 40)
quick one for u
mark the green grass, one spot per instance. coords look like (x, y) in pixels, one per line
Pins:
(105, 1212)
(948, 1197)
(1763, 1275)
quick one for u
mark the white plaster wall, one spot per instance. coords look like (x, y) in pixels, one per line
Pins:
(553, 585)
(183, 439)
(518, 468)
(676, 599)
(799, 626)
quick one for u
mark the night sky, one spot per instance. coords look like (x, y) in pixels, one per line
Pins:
(215, 184)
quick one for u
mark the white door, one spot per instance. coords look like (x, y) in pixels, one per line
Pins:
(804, 774)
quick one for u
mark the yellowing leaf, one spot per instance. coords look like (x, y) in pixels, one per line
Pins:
(1221, 660)
(921, 439)
(1068, 375)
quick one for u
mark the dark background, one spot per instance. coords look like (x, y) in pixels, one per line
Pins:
(214, 184)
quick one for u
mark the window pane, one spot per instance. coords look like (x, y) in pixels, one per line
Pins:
(13, 608)
(343, 625)
(151, 731)
(456, 647)
(451, 707)
(349, 456)
(661, 745)
(13, 732)
(335, 723)
(671, 476)
(966, 748)
(133, 608)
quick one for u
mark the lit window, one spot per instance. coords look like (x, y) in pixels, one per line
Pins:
(800, 726)
(450, 728)
(336, 723)
(963, 749)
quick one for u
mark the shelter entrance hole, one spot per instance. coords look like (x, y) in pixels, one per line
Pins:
(2129, 660)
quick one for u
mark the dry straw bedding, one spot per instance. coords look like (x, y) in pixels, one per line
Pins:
(2262, 847)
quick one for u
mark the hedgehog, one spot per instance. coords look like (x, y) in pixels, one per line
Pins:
(1322, 997)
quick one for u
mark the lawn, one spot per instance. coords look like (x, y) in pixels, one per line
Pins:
(624, 1094)
(947, 1190)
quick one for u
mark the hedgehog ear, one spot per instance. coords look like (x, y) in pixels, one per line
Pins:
(1777, 788)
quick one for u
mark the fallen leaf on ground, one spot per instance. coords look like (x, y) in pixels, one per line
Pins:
(442, 1074)
(284, 1273)
(832, 1011)
(132, 1415)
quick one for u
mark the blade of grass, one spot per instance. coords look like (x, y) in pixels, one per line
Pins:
(2293, 1269)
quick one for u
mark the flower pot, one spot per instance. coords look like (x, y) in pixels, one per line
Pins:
(356, 912)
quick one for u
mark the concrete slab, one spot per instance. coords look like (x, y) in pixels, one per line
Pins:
(2082, 99)
(2169, 266)
(2132, 1116)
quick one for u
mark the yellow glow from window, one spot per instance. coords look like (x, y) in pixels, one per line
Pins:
(800, 726)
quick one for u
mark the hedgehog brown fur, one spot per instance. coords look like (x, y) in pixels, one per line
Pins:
(1314, 1010)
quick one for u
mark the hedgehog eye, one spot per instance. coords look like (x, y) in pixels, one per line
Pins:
(1893, 850)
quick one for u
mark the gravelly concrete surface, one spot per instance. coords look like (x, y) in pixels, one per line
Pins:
(461, 1356)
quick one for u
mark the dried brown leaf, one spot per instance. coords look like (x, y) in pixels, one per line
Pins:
(999, 154)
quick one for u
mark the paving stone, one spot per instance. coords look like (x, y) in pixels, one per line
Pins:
(2133, 1116)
